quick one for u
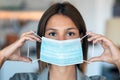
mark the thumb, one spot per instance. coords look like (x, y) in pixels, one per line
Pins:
(95, 59)
(25, 59)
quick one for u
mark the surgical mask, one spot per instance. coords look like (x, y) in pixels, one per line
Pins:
(61, 53)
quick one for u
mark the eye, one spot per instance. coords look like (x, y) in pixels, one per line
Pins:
(70, 34)
(52, 34)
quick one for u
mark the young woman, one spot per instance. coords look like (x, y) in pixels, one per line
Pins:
(60, 22)
(61, 29)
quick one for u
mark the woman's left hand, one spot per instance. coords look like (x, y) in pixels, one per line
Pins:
(111, 53)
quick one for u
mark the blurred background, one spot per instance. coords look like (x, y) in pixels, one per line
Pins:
(18, 16)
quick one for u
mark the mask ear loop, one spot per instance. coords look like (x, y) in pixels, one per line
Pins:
(36, 35)
(93, 46)
(84, 36)
(28, 50)
(92, 49)
(28, 55)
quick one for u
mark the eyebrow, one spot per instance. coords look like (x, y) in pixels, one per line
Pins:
(51, 29)
(71, 28)
(56, 29)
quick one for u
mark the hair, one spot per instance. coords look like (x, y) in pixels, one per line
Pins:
(70, 11)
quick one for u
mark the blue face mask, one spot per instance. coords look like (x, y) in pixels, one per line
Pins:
(61, 53)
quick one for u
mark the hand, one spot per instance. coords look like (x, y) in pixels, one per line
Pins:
(111, 53)
(12, 52)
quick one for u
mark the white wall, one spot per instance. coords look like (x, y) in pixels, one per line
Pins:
(95, 13)
(103, 11)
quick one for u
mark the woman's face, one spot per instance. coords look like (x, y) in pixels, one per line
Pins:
(61, 27)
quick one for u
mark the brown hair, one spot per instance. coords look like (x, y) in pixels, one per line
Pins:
(70, 11)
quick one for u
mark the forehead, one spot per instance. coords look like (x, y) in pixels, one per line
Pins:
(60, 21)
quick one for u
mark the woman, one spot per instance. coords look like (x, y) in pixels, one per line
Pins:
(61, 22)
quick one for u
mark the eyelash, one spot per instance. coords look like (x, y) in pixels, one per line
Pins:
(52, 34)
(70, 34)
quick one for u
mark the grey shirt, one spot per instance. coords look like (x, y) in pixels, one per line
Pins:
(44, 76)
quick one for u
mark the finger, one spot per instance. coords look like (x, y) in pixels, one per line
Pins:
(27, 33)
(26, 39)
(93, 37)
(89, 33)
(95, 59)
(25, 59)
(97, 37)
(99, 40)
(103, 41)
(33, 37)
(37, 36)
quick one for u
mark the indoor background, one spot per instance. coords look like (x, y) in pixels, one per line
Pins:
(18, 16)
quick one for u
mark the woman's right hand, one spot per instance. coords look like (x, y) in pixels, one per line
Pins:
(12, 52)
(27, 36)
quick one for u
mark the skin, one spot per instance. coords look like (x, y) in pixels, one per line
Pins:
(111, 53)
(12, 52)
(61, 27)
